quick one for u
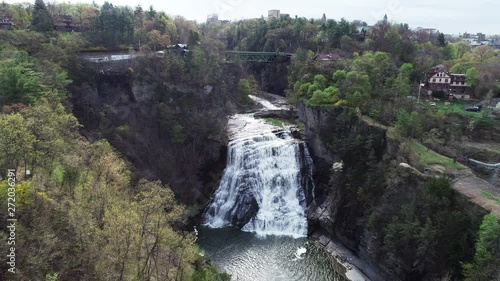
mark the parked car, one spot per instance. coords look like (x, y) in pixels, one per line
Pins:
(473, 108)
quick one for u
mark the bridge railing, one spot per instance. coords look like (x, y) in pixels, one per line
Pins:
(484, 165)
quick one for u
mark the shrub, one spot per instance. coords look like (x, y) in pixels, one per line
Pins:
(439, 94)
(408, 124)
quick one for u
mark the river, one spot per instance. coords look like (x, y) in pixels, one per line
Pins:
(248, 257)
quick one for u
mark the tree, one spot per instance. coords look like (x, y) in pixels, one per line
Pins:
(450, 52)
(487, 256)
(482, 53)
(85, 14)
(158, 39)
(472, 76)
(402, 84)
(42, 21)
(329, 95)
(462, 48)
(16, 141)
(406, 70)
(114, 26)
(461, 67)
(441, 40)
(408, 124)
(19, 83)
(54, 129)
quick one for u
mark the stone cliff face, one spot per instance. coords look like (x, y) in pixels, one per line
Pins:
(355, 203)
(166, 132)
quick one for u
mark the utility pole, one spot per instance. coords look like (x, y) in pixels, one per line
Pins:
(419, 90)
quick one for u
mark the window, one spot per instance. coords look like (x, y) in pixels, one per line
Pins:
(440, 79)
(446, 80)
(434, 80)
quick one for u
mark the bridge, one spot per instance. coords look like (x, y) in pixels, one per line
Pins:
(245, 56)
(262, 57)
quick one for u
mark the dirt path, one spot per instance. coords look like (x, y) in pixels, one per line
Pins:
(473, 187)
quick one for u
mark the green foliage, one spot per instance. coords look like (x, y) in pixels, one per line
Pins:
(329, 95)
(339, 76)
(450, 52)
(119, 231)
(177, 134)
(461, 67)
(57, 175)
(114, 26)
(17, 141)
(320, 81)
(484, 120)
(408, 123)
(42, 21)
(431, 227)
(427, 157)
(52, 277)
(406, 70)
(275, 122)
(487, 255)
(439, 191)
(245, 90)
(210, 274)
(490, 196)
(19, 82)
(472, 76)
(439, 94)
(441, 40)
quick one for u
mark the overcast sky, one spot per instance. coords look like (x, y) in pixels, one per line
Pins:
(449, 16)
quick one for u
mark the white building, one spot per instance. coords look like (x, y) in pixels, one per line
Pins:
(212, 18)
(273, 14)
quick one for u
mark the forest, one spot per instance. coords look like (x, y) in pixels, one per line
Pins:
(82, 213)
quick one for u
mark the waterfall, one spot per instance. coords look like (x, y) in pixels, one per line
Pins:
(262, 188)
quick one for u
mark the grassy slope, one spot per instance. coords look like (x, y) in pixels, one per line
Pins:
(427, 157)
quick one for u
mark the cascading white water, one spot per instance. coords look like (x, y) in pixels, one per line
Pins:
(261, 188)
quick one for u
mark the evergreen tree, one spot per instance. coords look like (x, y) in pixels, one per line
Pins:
(42, 21)
(441, 40)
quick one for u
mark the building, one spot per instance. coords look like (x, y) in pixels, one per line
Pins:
(181, 49)
(273, 14)
(362, 31)
(65, 23)
(429, 31)
(327, 57)
(6, 22)
(212, 18)
(495, 44)
(440, 79)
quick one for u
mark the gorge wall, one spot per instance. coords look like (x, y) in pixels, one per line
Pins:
(387, 214)
(167, 131)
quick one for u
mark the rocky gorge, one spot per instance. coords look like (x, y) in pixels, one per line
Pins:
(178, 134)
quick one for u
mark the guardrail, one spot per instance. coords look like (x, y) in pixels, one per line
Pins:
(484, 165)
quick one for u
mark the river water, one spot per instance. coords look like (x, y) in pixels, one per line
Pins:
(262, 192)
(248, 257)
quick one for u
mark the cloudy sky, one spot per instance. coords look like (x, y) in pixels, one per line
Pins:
(449, 16)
